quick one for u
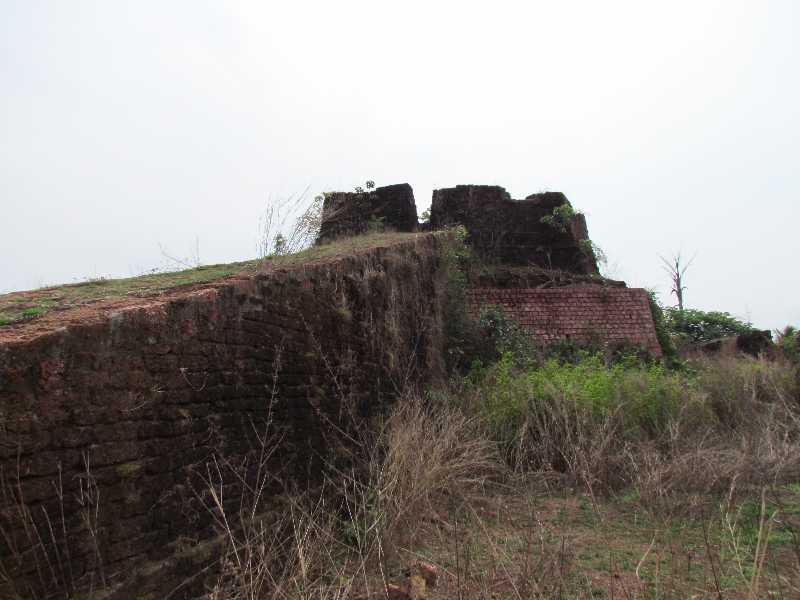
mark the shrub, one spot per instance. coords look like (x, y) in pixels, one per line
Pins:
(662, 329)
(528, 406)
(697, 326)
(789, 343)
(561, 218)
(636, 424)
(503, 335)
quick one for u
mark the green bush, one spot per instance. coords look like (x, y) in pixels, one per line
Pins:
(715, 424)
(662, 330)
(789, 344)
(558, 398)
(699, 326)
(503, 335)
(561, 218)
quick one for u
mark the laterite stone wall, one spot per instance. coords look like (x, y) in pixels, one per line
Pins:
(512, 232)
(345, 214)
(123, 408)
(579, 313)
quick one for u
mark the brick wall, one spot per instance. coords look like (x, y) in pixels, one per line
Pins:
(580, 313)
(148, 394)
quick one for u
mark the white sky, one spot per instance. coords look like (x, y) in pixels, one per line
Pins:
(673, 125)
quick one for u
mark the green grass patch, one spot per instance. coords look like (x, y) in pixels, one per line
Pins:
(22, 306)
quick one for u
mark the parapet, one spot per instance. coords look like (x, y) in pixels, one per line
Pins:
(351, 213)
(534, 231)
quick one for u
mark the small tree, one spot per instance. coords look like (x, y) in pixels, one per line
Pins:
(698, 326)
(676, 269)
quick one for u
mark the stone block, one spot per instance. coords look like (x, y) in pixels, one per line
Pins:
(517, 232)
(346, 214)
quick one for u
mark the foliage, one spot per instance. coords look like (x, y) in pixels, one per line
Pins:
(644, 397)
(425, 217)
(699, 326)
(662, 330)
(503, 335)
(561, 218)
(789, 343)
(459, 333)
(715, 423)
(592, 249)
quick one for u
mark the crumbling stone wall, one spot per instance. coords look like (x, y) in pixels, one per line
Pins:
(538, 264)
(512, 231)
(582, 314)
(352, 213)
(135, 399)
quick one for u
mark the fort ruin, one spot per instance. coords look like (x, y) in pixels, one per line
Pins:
(538, 262)
(127, 400)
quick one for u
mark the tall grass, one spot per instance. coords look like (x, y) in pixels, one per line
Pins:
(639, 424)
(705, 448)
(350, 532)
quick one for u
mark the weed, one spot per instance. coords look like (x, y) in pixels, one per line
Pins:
(561, 218)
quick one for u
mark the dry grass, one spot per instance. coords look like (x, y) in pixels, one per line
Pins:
(40, 552)
(705, 509)
(350, 533)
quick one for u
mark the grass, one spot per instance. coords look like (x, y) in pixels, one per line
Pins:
(534, 543)
(18, 307)
(634, 510)
(21, 306)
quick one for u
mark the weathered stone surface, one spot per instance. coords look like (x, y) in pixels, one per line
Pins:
(148, 394)
(512, 231)
(517, 276)
(352, 213)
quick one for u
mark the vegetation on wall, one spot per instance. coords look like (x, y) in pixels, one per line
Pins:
(663, 332)
(561, 218)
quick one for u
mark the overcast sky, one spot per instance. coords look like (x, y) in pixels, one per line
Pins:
(673, 125)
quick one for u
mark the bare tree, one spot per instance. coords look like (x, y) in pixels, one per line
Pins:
(676, 269)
